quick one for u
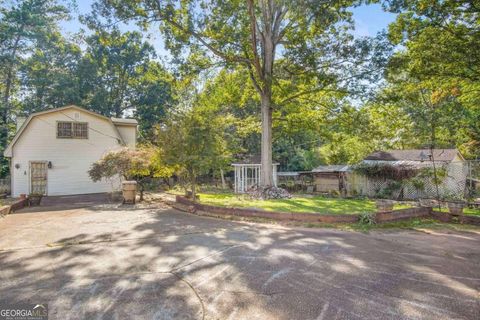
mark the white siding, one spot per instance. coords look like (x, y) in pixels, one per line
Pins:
(71, 158)
(129, 134)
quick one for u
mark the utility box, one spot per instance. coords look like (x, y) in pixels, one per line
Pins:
(129, 190)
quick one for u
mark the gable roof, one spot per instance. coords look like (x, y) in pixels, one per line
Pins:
(8, 150)
(415, 155)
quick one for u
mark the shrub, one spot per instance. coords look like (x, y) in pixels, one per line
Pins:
(140, 165)
(385, 171)
(389, 190)
(367, 218)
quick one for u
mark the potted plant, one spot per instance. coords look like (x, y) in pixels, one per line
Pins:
(34, 199)
(455, 204)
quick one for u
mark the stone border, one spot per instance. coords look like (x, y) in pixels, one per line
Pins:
(380, 217)
(17, 205)
(464, 219)
(403, 214)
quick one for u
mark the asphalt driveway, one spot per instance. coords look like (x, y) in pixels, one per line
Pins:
(103, 262)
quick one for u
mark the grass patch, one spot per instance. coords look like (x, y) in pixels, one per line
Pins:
(466, 211)
(471, 211)
(7, 201)
(415, 224)
(314, 204)
(339, 206)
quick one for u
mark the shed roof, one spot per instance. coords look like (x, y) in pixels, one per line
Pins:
(415, 155)
(331, 168)
(402, 163)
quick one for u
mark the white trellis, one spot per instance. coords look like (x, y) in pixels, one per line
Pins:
(248, 175)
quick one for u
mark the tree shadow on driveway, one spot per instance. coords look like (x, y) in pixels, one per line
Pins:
(164, 264)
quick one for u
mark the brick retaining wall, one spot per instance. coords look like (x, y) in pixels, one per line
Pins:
(4, 210)
(470, 219)
(282, 216)
(403, 214)
(17, 205)
(203, 209)
(446, 217)
(380, 217)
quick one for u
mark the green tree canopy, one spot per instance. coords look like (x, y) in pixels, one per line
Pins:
(310, 38)
(439, 65)
(23, 23)
(195, 143)
(140, 165)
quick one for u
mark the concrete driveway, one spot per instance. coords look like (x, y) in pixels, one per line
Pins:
(103, 262)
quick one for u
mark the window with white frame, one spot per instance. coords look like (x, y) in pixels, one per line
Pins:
(72, 130)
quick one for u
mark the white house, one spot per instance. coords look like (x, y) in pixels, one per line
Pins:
(52, 150)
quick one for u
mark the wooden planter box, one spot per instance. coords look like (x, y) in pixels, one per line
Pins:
(129, 191)
(34, 199)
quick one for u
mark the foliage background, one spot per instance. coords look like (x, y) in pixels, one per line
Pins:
(425, 92)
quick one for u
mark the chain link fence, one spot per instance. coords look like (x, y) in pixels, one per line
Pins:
(445, 180)
(5, 186)
(473, 179)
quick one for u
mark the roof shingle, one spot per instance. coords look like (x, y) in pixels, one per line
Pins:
(414, 155)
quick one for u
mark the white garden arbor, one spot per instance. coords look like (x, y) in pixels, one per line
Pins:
(248, 174)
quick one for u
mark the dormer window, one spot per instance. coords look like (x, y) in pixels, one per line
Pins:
(72, 130)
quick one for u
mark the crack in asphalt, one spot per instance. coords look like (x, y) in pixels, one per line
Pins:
(254, 292)
(207, 256)
(194, 291)
(172, 271)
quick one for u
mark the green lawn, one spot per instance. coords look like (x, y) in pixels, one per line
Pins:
(473, 212)
(467, 211)
(423, 225)
(297, 204)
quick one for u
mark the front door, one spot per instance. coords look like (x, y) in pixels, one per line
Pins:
(38, 176)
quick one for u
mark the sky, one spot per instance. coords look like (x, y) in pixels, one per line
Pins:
(369, 20)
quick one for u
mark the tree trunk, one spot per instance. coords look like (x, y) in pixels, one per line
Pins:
(142, 189)
(266, 151)
(266, 179)
(194, 189)
(5, 108)
(432, 147)
(222, 175)
(9, 80)
(266, 75)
